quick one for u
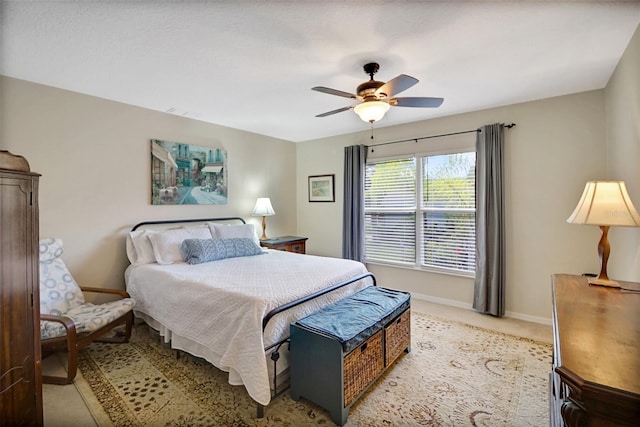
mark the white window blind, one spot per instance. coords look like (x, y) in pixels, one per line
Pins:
(390, 211)
(391, 185)
(438, 232)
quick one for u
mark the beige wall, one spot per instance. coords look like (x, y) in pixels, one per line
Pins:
(622, 100)
(94, 157)
(557, 145)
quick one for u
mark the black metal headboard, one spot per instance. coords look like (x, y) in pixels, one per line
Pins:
(183, 221)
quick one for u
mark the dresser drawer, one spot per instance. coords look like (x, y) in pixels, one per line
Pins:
(286, 243)
(296, 247)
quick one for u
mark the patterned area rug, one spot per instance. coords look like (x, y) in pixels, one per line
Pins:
(456, 375)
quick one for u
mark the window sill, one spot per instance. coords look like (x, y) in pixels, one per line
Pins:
(469, 275)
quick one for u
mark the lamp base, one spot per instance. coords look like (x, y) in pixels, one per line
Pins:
(264, 228)
(603, 250)
(596, 281)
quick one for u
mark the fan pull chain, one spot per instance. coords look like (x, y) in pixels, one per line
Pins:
(372, 149)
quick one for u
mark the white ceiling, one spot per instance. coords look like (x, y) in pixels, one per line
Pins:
(251, 64)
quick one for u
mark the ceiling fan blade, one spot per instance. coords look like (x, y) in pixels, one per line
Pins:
(421, 102)
(339, 110)
(396, 85)
(333, 92)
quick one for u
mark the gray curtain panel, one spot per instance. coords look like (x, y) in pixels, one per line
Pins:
(489, 289)
(355, 159)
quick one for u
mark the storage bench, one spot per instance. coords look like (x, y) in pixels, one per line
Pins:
(339, 351)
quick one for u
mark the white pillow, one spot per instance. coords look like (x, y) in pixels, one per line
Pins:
(242, 231)
(166, 244)
(139, 249)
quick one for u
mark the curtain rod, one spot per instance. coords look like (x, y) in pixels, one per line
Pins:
(509, 126)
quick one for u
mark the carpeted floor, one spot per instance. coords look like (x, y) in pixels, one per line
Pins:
(456, 375)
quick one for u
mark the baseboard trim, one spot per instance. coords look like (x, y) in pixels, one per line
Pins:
(442, 301)
(465, 306)
(529, 318)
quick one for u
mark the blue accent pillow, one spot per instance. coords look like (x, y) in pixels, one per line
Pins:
(197, 251)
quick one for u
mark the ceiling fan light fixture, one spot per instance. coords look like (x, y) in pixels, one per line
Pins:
(377, 97)
(371, 111)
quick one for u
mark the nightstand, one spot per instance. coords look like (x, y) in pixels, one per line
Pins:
(286, 243)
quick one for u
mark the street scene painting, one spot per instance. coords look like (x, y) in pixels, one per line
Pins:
(185, 174)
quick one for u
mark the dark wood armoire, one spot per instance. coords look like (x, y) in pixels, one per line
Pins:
(20, 360)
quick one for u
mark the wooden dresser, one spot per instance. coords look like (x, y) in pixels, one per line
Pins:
(286, 243)
(596, 354)
(20, 361)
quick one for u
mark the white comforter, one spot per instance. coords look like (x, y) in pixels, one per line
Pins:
(218, 306)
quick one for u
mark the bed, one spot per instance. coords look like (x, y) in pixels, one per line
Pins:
(233, 311)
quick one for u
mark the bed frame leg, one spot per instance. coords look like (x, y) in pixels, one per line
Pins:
(260, 411)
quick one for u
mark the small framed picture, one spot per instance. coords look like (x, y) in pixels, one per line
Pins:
(322, 188)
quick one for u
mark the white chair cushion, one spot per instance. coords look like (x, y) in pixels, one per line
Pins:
(60, 295)
(88, 317)
(59, 292)
(50, 249)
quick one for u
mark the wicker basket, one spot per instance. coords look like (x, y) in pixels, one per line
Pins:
(397, 337)
(362, 366)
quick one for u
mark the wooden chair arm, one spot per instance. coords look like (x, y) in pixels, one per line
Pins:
(123, 294)
(68, 324)
(70, 340)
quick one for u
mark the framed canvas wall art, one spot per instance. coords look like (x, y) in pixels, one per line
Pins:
(186, 174)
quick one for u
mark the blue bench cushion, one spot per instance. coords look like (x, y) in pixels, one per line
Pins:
(352, 320)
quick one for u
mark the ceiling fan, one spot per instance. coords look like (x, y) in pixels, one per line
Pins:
(377, 97)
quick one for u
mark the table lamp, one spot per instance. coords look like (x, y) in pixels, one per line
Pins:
(263, 208)
(605, 203)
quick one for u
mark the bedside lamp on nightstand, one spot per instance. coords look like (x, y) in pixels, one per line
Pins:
(263, 208)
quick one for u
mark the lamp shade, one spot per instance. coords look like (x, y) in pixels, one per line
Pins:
(263, 207)
(371, 111)
(605, 203)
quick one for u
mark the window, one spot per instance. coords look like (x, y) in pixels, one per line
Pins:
(420, 212)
